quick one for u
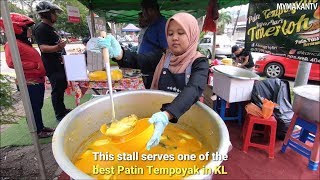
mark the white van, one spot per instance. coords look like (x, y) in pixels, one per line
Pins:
(223, 45)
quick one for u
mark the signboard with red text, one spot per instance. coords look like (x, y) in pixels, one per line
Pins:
(73, 14)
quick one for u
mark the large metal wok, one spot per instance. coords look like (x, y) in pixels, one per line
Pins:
(306, 102)
(86, 119)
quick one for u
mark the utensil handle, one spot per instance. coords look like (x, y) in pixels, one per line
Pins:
(105, 55)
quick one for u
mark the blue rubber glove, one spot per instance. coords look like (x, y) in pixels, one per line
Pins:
(160, 121)
(111, 44)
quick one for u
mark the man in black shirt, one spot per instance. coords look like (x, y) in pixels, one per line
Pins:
(52, 48)
(243, 57)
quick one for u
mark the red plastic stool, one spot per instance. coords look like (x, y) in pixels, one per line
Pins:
(270, 128)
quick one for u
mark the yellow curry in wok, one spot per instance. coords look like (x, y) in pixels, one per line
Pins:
(103, 157)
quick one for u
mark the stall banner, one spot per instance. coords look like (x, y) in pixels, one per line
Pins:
(99, 24)
(288, 29)
(73, 14)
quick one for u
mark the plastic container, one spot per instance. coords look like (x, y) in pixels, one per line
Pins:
(233, 84)
(227, 61)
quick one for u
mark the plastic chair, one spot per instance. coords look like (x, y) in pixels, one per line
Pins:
(269, 132)
(298, 140)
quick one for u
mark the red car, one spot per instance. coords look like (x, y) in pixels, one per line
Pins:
(277, 66)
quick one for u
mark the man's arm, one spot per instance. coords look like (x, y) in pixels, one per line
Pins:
(54, 48)
(245, 61)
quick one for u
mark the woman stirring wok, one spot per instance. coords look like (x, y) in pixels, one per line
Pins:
(180, 68)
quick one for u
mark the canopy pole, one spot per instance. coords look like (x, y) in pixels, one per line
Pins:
(112, 29)
(22, 84)
(213, 54)
(235, 24)
(93, 27)
(115, 29)
(303, 73)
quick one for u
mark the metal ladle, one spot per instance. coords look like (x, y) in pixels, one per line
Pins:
(105, 55)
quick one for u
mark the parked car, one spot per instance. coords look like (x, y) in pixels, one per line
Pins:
(73, 39)
(240, 42)
(223, 45)
(277, 67)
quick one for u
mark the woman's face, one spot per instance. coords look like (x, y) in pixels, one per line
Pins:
(177, 38)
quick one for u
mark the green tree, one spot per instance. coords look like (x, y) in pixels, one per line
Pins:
(14, 8)
(76, 29)
(7, 111)
(224, 19)
(26, 7)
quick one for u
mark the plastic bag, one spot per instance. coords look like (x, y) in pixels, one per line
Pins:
(267, 108)
(253, 110)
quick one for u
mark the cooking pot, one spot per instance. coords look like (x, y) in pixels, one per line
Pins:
(306, 103)
(83, 121)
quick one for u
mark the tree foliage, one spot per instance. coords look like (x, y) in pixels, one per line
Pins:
(14, 8)
(81, 29)
(7, 111)
(76, 29)
(224, 19)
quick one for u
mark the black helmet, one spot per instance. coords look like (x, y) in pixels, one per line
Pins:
(46, 6)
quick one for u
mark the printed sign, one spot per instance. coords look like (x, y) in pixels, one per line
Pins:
(100, 25)
(73, 14)
(285, 29)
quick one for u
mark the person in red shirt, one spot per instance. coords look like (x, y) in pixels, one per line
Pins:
(32, 67)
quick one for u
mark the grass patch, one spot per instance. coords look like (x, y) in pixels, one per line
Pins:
(19, 135)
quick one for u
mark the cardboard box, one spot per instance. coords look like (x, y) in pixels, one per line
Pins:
(94, 61)
(232, 89)
(89, 61)
(209, 102)
(207, 96)
(207, 92)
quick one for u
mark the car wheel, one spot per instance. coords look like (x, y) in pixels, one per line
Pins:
(274, 70)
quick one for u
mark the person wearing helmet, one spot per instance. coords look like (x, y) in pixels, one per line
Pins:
(32, 65)
(52, 48)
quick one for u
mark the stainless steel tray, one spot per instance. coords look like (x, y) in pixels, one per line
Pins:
(306, 102)
(235, 72)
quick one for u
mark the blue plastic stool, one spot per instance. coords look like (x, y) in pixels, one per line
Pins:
(220, 107)
(296, 140)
